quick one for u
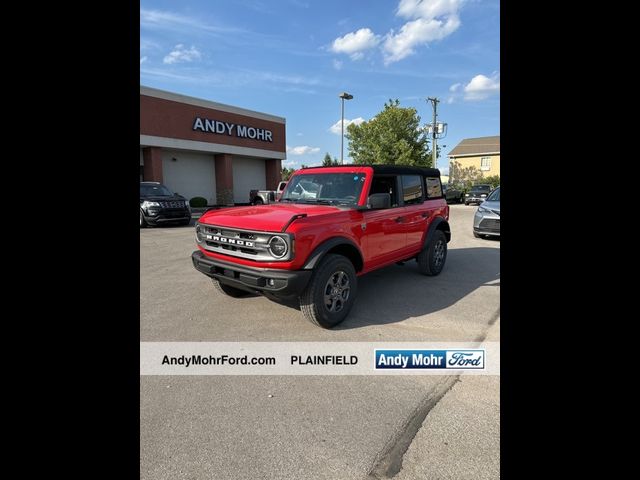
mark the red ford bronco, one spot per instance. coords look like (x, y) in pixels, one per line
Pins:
(331, 225)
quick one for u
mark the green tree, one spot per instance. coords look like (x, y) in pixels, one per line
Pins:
(393, 136)
(463, 177)
(328, 161)
(286, 173)
(494, 180)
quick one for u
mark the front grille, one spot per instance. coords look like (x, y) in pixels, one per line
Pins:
(173, 204)
(239, 243)
(490, 225)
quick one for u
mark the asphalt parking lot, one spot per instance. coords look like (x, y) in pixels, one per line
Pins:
(336, 427)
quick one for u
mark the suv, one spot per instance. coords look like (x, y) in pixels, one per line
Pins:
(453, 194)
(313, 245)
(477, 194)
(158, 204)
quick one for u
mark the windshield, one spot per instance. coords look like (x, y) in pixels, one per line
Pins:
(481, 188)
(326, 188)
(155, 190)
(495, 196)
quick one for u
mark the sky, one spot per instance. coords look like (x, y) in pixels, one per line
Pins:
(293, 58)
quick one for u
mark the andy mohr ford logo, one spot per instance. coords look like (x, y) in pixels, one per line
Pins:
(428, 359)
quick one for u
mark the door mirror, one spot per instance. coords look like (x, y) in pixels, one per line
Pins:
(379, 200)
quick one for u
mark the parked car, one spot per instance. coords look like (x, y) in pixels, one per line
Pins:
(487, 218)
(331, 225)
(477, 194)
(159, 205)
(453, 194)
(264, 197)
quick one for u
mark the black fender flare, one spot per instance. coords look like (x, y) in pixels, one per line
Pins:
(321, 250)
(433, 227)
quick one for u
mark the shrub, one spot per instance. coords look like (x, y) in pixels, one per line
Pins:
(198, 202)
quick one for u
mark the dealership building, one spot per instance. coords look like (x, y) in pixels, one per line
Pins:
(200, 148)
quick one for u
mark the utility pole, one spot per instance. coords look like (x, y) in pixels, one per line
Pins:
(434, 130)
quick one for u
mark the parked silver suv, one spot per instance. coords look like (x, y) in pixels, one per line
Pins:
(487, 218)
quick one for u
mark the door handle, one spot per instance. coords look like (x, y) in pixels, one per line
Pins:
(399, 219)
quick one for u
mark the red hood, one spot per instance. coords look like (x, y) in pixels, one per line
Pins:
(267, 218)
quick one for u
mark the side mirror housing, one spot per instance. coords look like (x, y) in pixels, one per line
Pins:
(379, 200)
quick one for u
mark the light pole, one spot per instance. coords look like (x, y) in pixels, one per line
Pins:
(344, 96)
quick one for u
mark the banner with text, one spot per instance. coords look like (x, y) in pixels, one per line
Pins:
(319, 358)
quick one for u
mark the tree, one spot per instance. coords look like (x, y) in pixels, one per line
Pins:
(286, 173)
(393, 136)
(493, 180)
(328, 162)
(464, 177)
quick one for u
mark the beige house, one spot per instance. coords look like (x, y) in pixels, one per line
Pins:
(481, 152)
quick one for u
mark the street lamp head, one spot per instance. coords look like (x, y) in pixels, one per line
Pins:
(345, 96)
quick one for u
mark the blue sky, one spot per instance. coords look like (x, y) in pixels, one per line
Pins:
(292, 58)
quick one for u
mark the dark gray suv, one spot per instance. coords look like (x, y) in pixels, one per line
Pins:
(477, 194)
(160, 205)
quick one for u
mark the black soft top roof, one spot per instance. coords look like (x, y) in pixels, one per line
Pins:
(392, 169)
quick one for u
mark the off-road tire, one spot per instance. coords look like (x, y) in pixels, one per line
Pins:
(432, 259)
(333, 269)
(228, 290)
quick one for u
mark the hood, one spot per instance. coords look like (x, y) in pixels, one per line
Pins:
(266, 218)
(162, 198)
(493, 206)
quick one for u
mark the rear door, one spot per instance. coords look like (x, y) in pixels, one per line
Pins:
(416, 211)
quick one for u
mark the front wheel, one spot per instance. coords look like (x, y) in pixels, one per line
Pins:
(331, 292)
(143, 222)
(431, 259)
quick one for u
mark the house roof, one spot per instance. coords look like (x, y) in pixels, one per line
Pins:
(476, 146)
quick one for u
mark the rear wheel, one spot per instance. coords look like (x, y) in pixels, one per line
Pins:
(227, 289)
(431, 259)
(331, 292)
(258, 201)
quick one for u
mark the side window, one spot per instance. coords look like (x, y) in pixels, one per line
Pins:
(412, 189)
(434, 188)
(385, 184)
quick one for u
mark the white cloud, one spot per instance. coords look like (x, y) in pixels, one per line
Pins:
(432, 20)
(143, 59)
(478, 88)
(182, 54)
(302, 150)
(335, 128)
(428, 8)
(481, 87)
(337, 64)
(355, 43)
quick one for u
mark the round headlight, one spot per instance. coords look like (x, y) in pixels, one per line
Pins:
(278, 247)
(198, 234)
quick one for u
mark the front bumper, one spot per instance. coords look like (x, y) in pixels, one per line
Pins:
(285, 282)
(164, 216)
(486, 224)
(474, 199)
